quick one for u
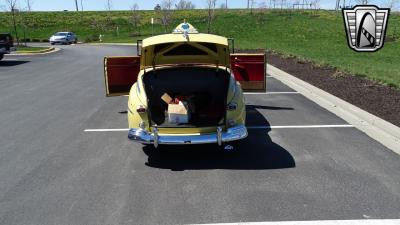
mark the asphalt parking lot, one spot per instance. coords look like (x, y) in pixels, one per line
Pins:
(300, 162)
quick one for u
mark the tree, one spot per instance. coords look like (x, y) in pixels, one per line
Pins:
(182, 5)
(262, 5)
(166, 13)
(273, 3)
(27, 10)
(76, 5)
(393, 4)
(252, 2)
(211, 9)
(29, 4)
(109, 7)
(135, 18)
(12, 6)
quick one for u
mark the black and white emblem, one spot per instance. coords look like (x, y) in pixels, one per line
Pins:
(366, 27)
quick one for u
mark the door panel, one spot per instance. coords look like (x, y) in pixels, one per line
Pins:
(120, 74)
(250, 71)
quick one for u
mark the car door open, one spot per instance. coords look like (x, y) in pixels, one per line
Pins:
(120, 74)
(250, 71)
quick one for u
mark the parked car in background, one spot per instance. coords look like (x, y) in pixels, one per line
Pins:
(63, 38)
(6, 44)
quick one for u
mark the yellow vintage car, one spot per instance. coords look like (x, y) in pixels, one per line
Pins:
(185, 88)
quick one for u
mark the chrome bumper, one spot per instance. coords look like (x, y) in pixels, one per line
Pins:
(232, 134)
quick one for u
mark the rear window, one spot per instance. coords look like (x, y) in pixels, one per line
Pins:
(61, 34)
(185, 49)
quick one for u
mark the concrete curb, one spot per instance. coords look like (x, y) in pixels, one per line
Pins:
(375, 127)
(42, 52)
(115, 44)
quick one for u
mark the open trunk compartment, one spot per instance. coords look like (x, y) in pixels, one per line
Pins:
(204, 88)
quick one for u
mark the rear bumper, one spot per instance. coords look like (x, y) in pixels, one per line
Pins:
(219, 137)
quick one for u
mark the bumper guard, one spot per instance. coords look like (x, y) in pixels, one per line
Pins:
(219, 137)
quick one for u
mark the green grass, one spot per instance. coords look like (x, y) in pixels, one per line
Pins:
(317, 37)
(23, 49)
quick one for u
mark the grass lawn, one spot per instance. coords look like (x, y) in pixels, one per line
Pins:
(314, 36)
(23, 49)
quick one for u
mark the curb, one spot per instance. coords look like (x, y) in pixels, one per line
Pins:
(118, 44)
(41, 52)
(375, 127)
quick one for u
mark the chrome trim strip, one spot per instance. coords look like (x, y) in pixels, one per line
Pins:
(219, 136)
(232, 134)
(156, 137)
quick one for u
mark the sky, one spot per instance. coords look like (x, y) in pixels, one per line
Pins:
(94, 5)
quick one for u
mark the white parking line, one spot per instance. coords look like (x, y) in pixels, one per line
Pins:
(249, 127)
(321, 222)
(264, 93)
(273, 93)
(8, 59)
(301, 126)
(106, 130)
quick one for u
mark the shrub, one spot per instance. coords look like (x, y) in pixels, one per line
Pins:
(92, 38)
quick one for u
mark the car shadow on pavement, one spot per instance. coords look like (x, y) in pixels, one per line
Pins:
(9, 63)
(256, 152)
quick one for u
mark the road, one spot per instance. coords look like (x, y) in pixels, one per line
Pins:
(52, 172)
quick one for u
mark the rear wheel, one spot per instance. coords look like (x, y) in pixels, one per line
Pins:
(1, 56)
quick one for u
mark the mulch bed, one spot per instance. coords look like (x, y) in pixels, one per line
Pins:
(373, 97)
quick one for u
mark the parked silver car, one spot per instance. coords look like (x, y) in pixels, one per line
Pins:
(63, 38)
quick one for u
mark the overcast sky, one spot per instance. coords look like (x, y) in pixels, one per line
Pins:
(58, 5)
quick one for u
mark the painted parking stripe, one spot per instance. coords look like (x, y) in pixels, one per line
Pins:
(322, 222)
(106, 130)
(249, 127)
(264, 93)
(301, 126)
(274, 93)
(9, 59)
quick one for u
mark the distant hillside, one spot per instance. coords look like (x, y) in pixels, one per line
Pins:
(317, 36)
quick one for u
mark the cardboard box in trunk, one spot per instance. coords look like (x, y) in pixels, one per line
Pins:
(178, 113)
